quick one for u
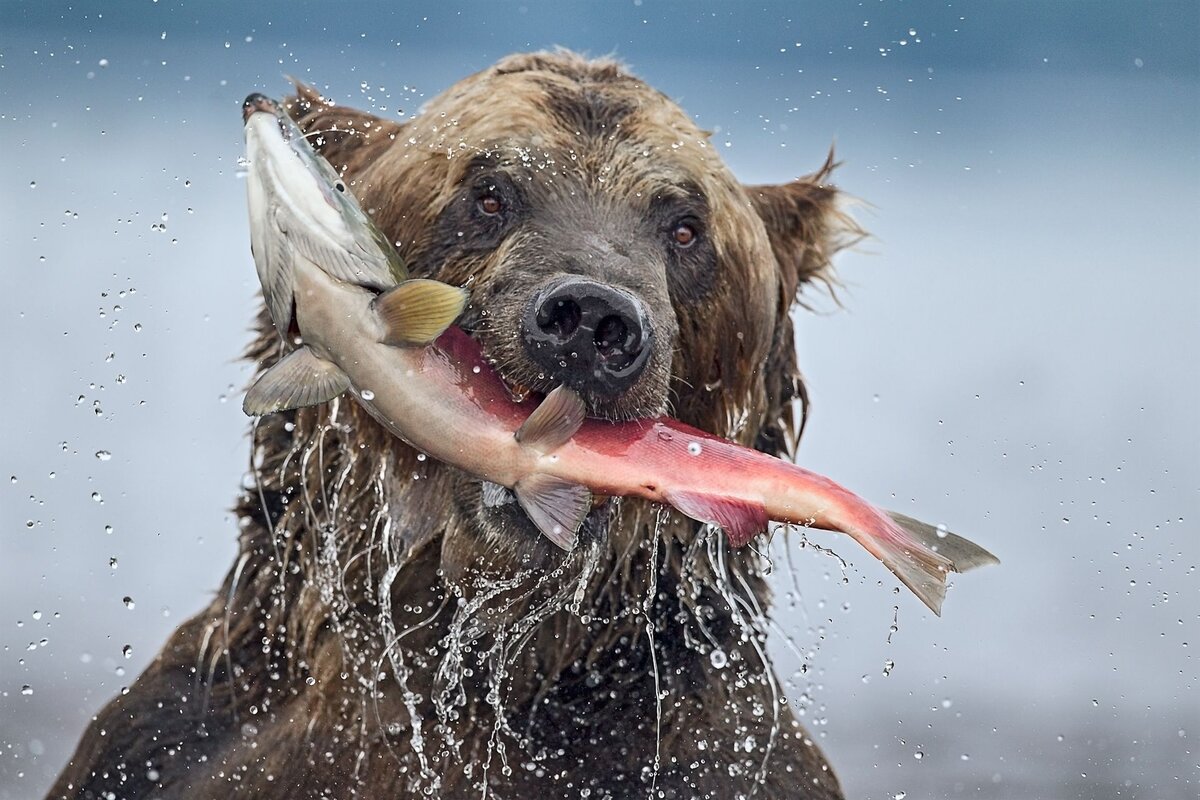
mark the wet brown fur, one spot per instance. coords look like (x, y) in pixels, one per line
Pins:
(362, 566)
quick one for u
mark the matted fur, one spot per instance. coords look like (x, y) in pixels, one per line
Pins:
(379, 635)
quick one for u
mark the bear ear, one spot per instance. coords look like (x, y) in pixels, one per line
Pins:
(806, 226)
(349, 139)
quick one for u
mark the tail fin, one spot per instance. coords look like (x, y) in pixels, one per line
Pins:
(925, 556)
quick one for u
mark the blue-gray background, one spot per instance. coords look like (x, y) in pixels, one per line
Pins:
(1018, 357)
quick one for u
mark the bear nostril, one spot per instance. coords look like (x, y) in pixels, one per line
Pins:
(587, 335)
(612, 338)
(560, 318)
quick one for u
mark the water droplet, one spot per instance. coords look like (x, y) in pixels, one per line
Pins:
(127, 651)
(367, 395)
(918, 755)
(128, 601)
(103, 455)
(26, 690)
(941, 531)
(37, 615)
(694, 448)
(718, 658)
(112, 562)
(32, 185)
(96, 496)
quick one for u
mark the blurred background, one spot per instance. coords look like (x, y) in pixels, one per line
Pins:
(1017, 356)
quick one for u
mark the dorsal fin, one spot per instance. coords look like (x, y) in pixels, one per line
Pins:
(554, 421)
(741, 520)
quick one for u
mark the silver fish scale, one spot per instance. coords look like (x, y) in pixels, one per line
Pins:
(353, 264)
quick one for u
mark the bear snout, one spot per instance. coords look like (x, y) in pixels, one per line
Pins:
(591, 336)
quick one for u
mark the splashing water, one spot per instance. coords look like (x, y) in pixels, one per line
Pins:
(340, 541)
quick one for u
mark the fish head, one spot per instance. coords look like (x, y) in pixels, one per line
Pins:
(298, 202)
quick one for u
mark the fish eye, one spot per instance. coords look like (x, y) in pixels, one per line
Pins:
(490, 205)
(341, 187)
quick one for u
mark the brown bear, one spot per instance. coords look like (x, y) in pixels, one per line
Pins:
(394, 628)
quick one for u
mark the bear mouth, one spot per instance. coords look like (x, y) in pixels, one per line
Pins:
(527, 385)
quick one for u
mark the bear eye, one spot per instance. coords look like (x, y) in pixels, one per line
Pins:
(490, 204)
(684, 235)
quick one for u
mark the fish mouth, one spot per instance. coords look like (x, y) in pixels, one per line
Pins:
(258, 102)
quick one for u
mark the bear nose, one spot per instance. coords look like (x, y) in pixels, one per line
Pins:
(590, 336)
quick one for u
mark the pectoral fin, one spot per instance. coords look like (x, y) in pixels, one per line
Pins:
(553, 422)
(417, 311)
(555, 506)
(741, 520)
(300, 379)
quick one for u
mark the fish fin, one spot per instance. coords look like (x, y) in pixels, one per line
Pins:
(557, 507)
(300, 379)
(495, 495)
(963, 554)
(741, 520)
(554, 421)
(924, 557)
(417, 311)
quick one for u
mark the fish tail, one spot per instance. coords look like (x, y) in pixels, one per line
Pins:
(922, 556)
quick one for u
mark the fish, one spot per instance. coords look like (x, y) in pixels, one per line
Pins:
(366, 328)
